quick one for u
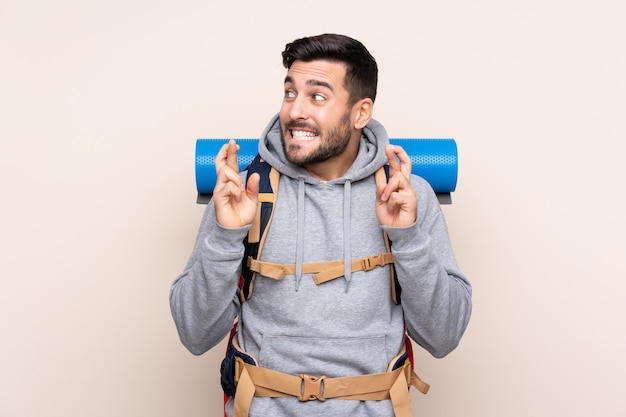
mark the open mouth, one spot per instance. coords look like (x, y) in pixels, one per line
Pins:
(302, 134)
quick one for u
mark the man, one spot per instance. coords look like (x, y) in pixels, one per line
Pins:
(329, 207)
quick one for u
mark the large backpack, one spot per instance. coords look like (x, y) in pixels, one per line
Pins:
(268, 190)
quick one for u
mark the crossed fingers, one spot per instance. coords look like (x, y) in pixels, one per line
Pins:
(399, 161)
(227, 168)
(396, 200)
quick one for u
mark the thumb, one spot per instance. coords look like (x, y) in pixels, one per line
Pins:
(252, 186)
(380, 193)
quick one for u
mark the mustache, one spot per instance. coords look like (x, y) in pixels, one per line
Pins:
(294, 124)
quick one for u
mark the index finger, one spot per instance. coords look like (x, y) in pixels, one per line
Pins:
(227, 156)
(231, 157)
(399, 160)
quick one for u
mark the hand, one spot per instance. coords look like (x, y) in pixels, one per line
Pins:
(235, 203)
(396, 202)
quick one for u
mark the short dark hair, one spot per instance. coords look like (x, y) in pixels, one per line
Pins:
(361, 69)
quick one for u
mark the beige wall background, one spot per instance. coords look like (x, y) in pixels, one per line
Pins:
(100, 107)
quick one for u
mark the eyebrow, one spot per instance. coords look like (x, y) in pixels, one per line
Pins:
(312, 82)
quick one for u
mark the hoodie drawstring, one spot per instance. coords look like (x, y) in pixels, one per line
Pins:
(347, 242)
(300, 233)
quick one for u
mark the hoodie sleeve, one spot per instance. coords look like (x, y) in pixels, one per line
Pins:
(436, 296)
(203, 299)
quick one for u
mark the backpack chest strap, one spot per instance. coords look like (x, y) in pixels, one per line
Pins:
(322, 271)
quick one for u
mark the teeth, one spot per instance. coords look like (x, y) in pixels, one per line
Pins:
(302, 134)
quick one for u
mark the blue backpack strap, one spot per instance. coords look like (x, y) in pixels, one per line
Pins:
(268, 188)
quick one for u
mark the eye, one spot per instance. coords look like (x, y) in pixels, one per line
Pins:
(289, 94)
(318, 97)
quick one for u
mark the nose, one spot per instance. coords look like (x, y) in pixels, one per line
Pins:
(297, 109)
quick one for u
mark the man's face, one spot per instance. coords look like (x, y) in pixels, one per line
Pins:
(315, 117)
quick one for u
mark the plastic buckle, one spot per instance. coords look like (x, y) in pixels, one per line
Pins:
(312, 388)
(372, 262)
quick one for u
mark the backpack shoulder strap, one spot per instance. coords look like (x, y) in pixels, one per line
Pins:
(268, 189)
(382, 176)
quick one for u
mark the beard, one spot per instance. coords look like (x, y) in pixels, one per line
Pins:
(332, 143)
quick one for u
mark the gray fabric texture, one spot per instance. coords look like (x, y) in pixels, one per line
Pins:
(347, 326)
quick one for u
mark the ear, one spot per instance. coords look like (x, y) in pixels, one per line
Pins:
(362, 112)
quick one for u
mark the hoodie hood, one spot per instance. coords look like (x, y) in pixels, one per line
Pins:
(371, 154)
(370, 158)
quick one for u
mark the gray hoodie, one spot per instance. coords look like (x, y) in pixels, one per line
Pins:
(347, 326)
